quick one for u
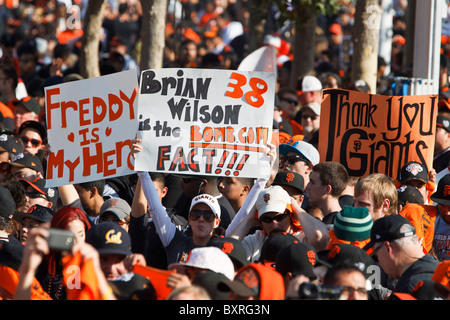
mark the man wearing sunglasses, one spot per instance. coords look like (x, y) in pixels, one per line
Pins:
(204, 218)
(33, 136)
(277, 212)
(309, 118)
(396, 246)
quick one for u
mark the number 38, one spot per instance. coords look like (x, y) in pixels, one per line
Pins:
(253, 97)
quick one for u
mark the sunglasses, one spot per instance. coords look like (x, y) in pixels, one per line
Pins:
(295, 158)
(208, 216)
(277, 218)
(35, 195)
(290, 101)
(34, 142)
(306, 116)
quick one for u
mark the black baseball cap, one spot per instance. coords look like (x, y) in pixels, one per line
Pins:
(27, 160)
(37, 126)
(37, 212)
(51, 194)
(233, 248)
(389, 228)
(443, 122)
(413, 170)
(442, 194)
(10, 143)
(289, 178)
(408, 194)
(272, 246)
(341, 253)
(8, 205)
(297, 258)
(31, 104)
(109, 238)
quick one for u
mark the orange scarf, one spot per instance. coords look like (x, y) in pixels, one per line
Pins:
(335, 240)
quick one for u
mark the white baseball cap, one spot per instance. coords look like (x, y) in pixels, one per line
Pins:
(209, 200)
(303, 148)
(314, 106)
(210, 258)
(272, 199)
(308, 84)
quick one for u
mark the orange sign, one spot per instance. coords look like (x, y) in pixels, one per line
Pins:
(375, 133)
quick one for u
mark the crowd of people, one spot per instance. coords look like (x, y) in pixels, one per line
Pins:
(309, 231)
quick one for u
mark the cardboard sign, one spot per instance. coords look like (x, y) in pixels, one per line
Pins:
(374, 133)
(205, 122)
(90, 124)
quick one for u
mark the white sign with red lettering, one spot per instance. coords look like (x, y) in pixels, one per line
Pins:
(205, 122)
(90, 124)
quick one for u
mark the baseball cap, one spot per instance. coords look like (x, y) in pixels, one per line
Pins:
(31, 104)
(256, 280)
(305, 149)
(8, 205)
(443, 122)
(353, 224)
(36, 125)
(314, 106)
(289, 178)
(51, 194)
(272, 199)
(233, 248)
(342, 253)
(118, 206)
(109, 238)
(209, 200)
(413, 170)
(442, 194)
(308, 84)
(408, 194)
(297, 258)
(209, 281)
(210, 258)
(10, 143)
(273, 245)
(27, 160)
(389, 228)
(37, 212)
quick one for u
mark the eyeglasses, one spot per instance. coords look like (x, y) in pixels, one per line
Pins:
(208, 216)
(277, 218)
(34, 142)
(295, 158)
(350, 291)
(306, 116)
(290, 101)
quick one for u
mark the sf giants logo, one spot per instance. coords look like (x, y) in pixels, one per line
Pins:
(249, 277)
(290, 177)
(446, 190)
(227, 247)
(311, 257)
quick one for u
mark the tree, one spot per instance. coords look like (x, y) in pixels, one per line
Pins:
(304, 13)
(89, 57)
(152, 33)
(365, 40)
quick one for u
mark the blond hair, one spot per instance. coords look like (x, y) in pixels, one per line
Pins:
(381, 187)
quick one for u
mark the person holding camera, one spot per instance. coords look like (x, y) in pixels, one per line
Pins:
(37, 247)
